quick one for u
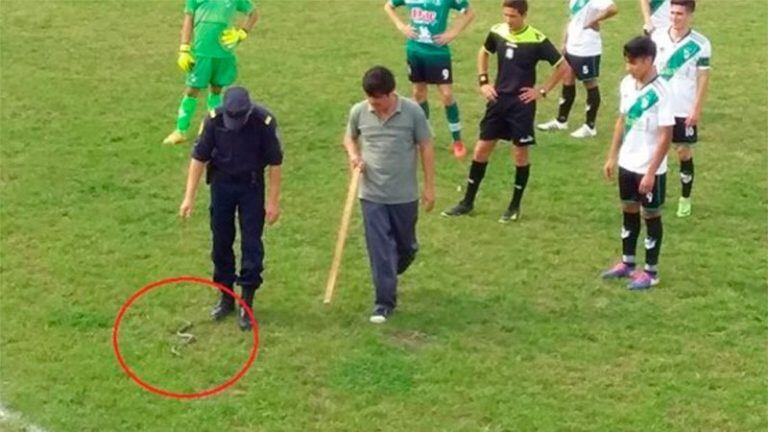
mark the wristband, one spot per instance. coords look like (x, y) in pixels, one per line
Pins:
(482, 79)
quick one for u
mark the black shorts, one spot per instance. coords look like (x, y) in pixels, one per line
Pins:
(629, 185)
(509, 119)
(429, 69)
(585, 68)
(682, 134)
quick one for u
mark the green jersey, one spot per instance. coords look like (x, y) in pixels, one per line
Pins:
(429, 18)
(211, 18)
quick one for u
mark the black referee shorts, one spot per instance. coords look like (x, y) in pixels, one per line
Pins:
(508, 118)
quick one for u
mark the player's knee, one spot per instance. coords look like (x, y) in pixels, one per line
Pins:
(630, 207)
(521, 156)
(483, 151)
(684, 152)
(420, 92)
(590, 83)
(446, 96)
(192, 92)
(215, 89)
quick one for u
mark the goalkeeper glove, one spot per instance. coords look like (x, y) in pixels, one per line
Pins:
(185, 60)
(231, 37)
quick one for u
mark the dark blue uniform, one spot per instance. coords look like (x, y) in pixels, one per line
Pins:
(236, 160)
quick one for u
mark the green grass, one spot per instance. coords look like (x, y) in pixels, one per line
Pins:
(499, 327)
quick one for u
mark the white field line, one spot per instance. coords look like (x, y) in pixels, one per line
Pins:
(7, 415)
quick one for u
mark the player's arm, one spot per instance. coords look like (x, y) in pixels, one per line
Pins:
(461, 23)
(664, 143)
(486, 88)
(612, 158)
(185, 59)
(399, 24)
(604, 14)
(702, 87)
(645, 8)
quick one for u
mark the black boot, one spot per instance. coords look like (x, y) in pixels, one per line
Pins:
(244, 320)
(223, 307)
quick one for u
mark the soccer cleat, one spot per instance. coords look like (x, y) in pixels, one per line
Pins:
(459, 209)
(380, 314)
(684, 207)
(620, 270)
(510, 215)
(175, 137)
(222, 308)
(459, 151)
(552, 125)
(643, 280)
(584, 132)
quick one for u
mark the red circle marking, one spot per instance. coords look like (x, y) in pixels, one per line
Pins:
(167, 393)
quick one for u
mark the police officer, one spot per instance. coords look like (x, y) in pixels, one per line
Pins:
(237, 144)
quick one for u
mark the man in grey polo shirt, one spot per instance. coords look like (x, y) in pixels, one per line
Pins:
(385, 136)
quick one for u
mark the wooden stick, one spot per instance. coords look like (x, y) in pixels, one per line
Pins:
(342, 237)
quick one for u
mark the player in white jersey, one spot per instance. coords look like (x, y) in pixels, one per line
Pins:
(583, 47)
(655, 14)
(683, 61)
(641, 140)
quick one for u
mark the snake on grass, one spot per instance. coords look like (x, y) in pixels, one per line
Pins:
(185, 338)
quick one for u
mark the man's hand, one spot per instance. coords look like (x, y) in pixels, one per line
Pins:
(428, 198)
(489, 93)
(356, 162)
(529, 94)
(594, 25)
(609, 168)
(407, 31)
(185, 61)
(230, 38)
(692, 119)
(646, 184)
(445, 38)
(272, 213)
(185, 209)
(648, 28)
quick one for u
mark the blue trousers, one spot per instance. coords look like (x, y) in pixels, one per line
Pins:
(390, 236)
(247, 201)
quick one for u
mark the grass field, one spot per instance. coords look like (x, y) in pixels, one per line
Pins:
(499, 328)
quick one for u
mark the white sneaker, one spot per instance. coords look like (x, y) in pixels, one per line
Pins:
(552, 125)
(584, 132)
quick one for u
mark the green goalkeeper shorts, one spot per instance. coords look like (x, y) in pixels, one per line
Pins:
(214, 71)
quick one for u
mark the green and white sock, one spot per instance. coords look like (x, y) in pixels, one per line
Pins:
(214, 101)
(454, 122)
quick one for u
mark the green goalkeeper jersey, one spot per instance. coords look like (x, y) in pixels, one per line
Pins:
(429, 18)
(211, 18)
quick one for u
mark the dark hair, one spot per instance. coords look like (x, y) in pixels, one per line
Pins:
(690, 5)
(520, 6)
(640, 46)
(378, 81)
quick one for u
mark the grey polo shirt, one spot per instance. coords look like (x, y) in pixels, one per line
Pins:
(389, 150)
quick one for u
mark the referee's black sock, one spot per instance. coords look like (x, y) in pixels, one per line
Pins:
(476, 174)
(686, 176)
(566, 102)
(630, 231)
(521, 181)
(653, 243)
(593, 103)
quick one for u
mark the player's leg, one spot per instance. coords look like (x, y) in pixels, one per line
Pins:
(652, 204)
(630, 228)
(684, 138)
(418, 79)
(588, 73)
(483, 150)
(382, 254)
(453, 117)
(420, 95)
(197, 79)
(214, 99)
(568, 95)
(222, 210)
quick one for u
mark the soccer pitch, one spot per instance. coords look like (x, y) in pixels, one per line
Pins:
(499, 327)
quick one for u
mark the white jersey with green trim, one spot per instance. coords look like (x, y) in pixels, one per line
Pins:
(659, 13)
(646, 109)
(584, 42)
(679, 63)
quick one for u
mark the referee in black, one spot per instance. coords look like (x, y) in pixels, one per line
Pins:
(511, 107)
(237, 144)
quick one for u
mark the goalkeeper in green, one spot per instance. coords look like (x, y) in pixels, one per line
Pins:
(206, 54)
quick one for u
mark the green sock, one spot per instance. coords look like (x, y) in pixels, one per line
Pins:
(454, 123)
(214, 101)
(425, 106)
(186, 111)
